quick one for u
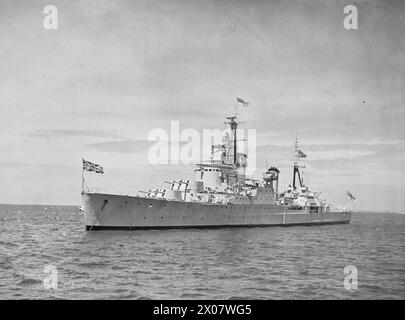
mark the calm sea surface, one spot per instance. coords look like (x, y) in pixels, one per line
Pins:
(261, 263)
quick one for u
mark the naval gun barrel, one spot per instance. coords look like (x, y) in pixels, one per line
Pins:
(171, 184)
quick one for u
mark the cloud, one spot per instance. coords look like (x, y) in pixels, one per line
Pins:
(368, 155)
(138, 146)
(134, 146)
(339, 154)
(70, 133)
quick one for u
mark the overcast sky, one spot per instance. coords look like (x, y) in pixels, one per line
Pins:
(115, 70)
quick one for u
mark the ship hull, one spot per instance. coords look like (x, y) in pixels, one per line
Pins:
(115, 212)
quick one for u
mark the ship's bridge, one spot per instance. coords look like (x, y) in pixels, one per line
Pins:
(214, 174)
(227, 166)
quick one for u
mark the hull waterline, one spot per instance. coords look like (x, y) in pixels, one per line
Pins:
(118, 212)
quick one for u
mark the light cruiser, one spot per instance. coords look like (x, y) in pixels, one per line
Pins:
(220, 196)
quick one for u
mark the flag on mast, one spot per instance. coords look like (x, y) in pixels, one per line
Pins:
(300, 154)
(350, 195)
(243, 102)
(92, 167)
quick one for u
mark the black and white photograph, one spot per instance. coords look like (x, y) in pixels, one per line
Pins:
(202, 151)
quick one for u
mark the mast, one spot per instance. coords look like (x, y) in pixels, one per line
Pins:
(234, 127)
(297, 155)
(233, 122)
(82, 177)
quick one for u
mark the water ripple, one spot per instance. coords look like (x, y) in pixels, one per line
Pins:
(258, 263)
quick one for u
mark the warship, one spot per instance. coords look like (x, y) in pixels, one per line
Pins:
(221, 195)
